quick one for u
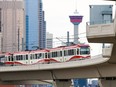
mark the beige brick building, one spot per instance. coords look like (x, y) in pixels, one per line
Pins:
(12, 25)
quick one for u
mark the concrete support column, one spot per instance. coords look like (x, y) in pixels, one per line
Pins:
(63, 83)
(107, 82)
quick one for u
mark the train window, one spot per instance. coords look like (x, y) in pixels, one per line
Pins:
(35, 56)
(77, 51)
(71, 52)
(60, 53)
(16, 57)
(19, 57)
(45, 55)
(2, 59)
(65, 53)
(23, 57)
(8, 58)
(42, 55)
(54, 54)
(31, 56)
(39, 56)
(49, 55)
(26, 57)
(12, 58)
(84, 50)
(74, 51)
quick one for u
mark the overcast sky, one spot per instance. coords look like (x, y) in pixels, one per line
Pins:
(57, 14)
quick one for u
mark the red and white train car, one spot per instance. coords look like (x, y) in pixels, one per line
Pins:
(53, 55)
(69, 53)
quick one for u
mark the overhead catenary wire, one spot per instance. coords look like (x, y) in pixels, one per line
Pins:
(56, 42)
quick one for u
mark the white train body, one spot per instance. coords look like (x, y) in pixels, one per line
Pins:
(53, 55)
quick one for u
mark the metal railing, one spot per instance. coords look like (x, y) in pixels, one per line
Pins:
(100, 22)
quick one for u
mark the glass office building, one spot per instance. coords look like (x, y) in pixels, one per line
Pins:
(35, 25)
(32, 24)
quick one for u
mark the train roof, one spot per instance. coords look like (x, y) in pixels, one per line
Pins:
(83, 45)
(47, 50)
(39, 51)
(7, 53)
(57, 48)
(21, 52)
(32, 51)
(69, 47)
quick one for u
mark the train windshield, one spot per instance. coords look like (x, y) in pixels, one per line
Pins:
(84, 50)
(2, 58)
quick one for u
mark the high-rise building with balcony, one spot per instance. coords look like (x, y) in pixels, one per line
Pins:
(35, 25)
(12, 25)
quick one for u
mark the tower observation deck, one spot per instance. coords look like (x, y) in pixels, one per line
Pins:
(76, 20)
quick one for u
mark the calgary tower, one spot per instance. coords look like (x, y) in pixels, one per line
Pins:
(76, 20)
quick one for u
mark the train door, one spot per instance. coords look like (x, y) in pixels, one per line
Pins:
(25, 59)
(28, 57)
(61, 53)
(33, 58)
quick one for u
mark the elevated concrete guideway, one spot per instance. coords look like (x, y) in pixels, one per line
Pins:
(103, 33)
(73, 64)
(89, 68)
(61, 73)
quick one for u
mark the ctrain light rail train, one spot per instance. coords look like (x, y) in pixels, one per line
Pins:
(46, 56)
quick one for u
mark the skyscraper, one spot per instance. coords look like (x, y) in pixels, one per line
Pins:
(49, 40)
(35, 25)
(42, 27)
(12, 25)
(32, 24)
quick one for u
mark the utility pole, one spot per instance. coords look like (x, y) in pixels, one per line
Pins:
(18, 39)
(68, 38)
(18, 36)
